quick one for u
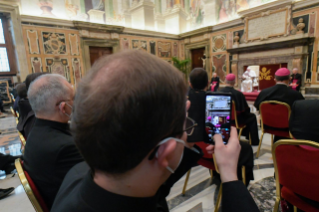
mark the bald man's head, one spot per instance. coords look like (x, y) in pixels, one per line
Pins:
(129, 100)
(47, 91)
(295, 71)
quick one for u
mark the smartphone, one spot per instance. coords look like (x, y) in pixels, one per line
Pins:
(218, 115)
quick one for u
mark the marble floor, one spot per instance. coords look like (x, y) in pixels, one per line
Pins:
(201, 192)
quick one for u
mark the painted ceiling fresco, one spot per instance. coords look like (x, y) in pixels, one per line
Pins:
(199, 13)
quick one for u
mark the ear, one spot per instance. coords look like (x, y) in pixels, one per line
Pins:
(188, 105)
(62, 107)
(190, 84)
(165, 152)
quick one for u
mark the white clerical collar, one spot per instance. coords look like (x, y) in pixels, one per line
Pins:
(281, 83)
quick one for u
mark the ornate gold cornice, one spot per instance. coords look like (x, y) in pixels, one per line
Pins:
(81, 25)
(196, 32)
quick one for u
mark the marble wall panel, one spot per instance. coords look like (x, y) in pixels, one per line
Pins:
(219, 66)
(219, 43)
(36, 65)
(54, 43)
(74, 44)
(33, 41)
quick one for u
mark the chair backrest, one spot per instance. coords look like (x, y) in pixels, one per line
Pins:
(296, 167)
(30, 188)
(22, 139)
(234, 113)
(274, 114)
(13, 112)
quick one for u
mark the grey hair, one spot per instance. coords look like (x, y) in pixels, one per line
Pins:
(46, 91)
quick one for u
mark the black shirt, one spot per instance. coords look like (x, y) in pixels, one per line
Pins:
(50, 153)
(79, 193)
(279, 92)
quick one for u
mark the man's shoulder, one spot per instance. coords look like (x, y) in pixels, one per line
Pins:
(68, 198)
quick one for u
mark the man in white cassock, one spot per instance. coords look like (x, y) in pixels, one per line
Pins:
(247, 83)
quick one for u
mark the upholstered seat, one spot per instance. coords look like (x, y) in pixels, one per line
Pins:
(30, 188)
(296, 168)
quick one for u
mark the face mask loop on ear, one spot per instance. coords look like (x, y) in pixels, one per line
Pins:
(68, 115)
(181, 158)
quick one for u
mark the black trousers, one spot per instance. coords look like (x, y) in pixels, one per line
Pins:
(246, 158)
(250, 121)
(5, 161)
(1, 106)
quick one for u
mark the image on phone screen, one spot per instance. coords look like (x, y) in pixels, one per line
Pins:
(218, 116)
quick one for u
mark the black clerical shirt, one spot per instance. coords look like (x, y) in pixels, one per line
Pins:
(50, 153)
(79, 193)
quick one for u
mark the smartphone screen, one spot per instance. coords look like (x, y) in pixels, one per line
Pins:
(218, 115)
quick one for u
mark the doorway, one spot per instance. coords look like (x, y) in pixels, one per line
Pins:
(97, 52)
(197, 55)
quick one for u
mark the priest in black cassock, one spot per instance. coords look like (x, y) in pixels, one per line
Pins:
(197, 96)
(280, 91)
(214, 82)
(295, 81)
(243, 111)
(50, 151)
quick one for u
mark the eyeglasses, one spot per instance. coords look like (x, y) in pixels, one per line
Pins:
(190, 125)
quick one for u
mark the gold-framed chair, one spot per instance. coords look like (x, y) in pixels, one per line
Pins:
(15, 115)
(297, 158)
(33, 194)
(274, 114)
(12, 98)
(238, 126)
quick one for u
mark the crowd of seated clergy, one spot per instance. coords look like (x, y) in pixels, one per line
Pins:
(198, 82)
(126, 149)
(134, 149)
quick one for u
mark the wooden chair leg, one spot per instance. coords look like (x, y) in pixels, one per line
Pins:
(249, 139)
(185, 183)
(240, 132)
(219, 198)
(272, 141)
(295, 209)
(211, 174)
(261, 139)
(243, 174)
(276, 207)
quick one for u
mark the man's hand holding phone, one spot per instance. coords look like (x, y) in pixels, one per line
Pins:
(226, 155)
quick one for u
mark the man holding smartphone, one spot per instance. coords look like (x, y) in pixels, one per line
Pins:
(198, 81)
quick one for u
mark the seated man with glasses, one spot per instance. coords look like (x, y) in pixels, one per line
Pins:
(198, 81)
(133, 139)
(50, 151)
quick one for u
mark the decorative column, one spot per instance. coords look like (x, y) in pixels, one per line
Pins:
(175, 20)
(96, 16)
(142, 15)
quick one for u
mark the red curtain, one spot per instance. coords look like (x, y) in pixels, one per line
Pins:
(267, 75)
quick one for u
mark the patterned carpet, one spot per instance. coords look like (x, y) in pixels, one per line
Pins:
(264, 194)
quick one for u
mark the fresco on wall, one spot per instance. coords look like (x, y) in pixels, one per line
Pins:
(199, 13)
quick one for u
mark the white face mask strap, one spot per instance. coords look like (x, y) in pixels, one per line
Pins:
(163, 142)
(66, 113)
